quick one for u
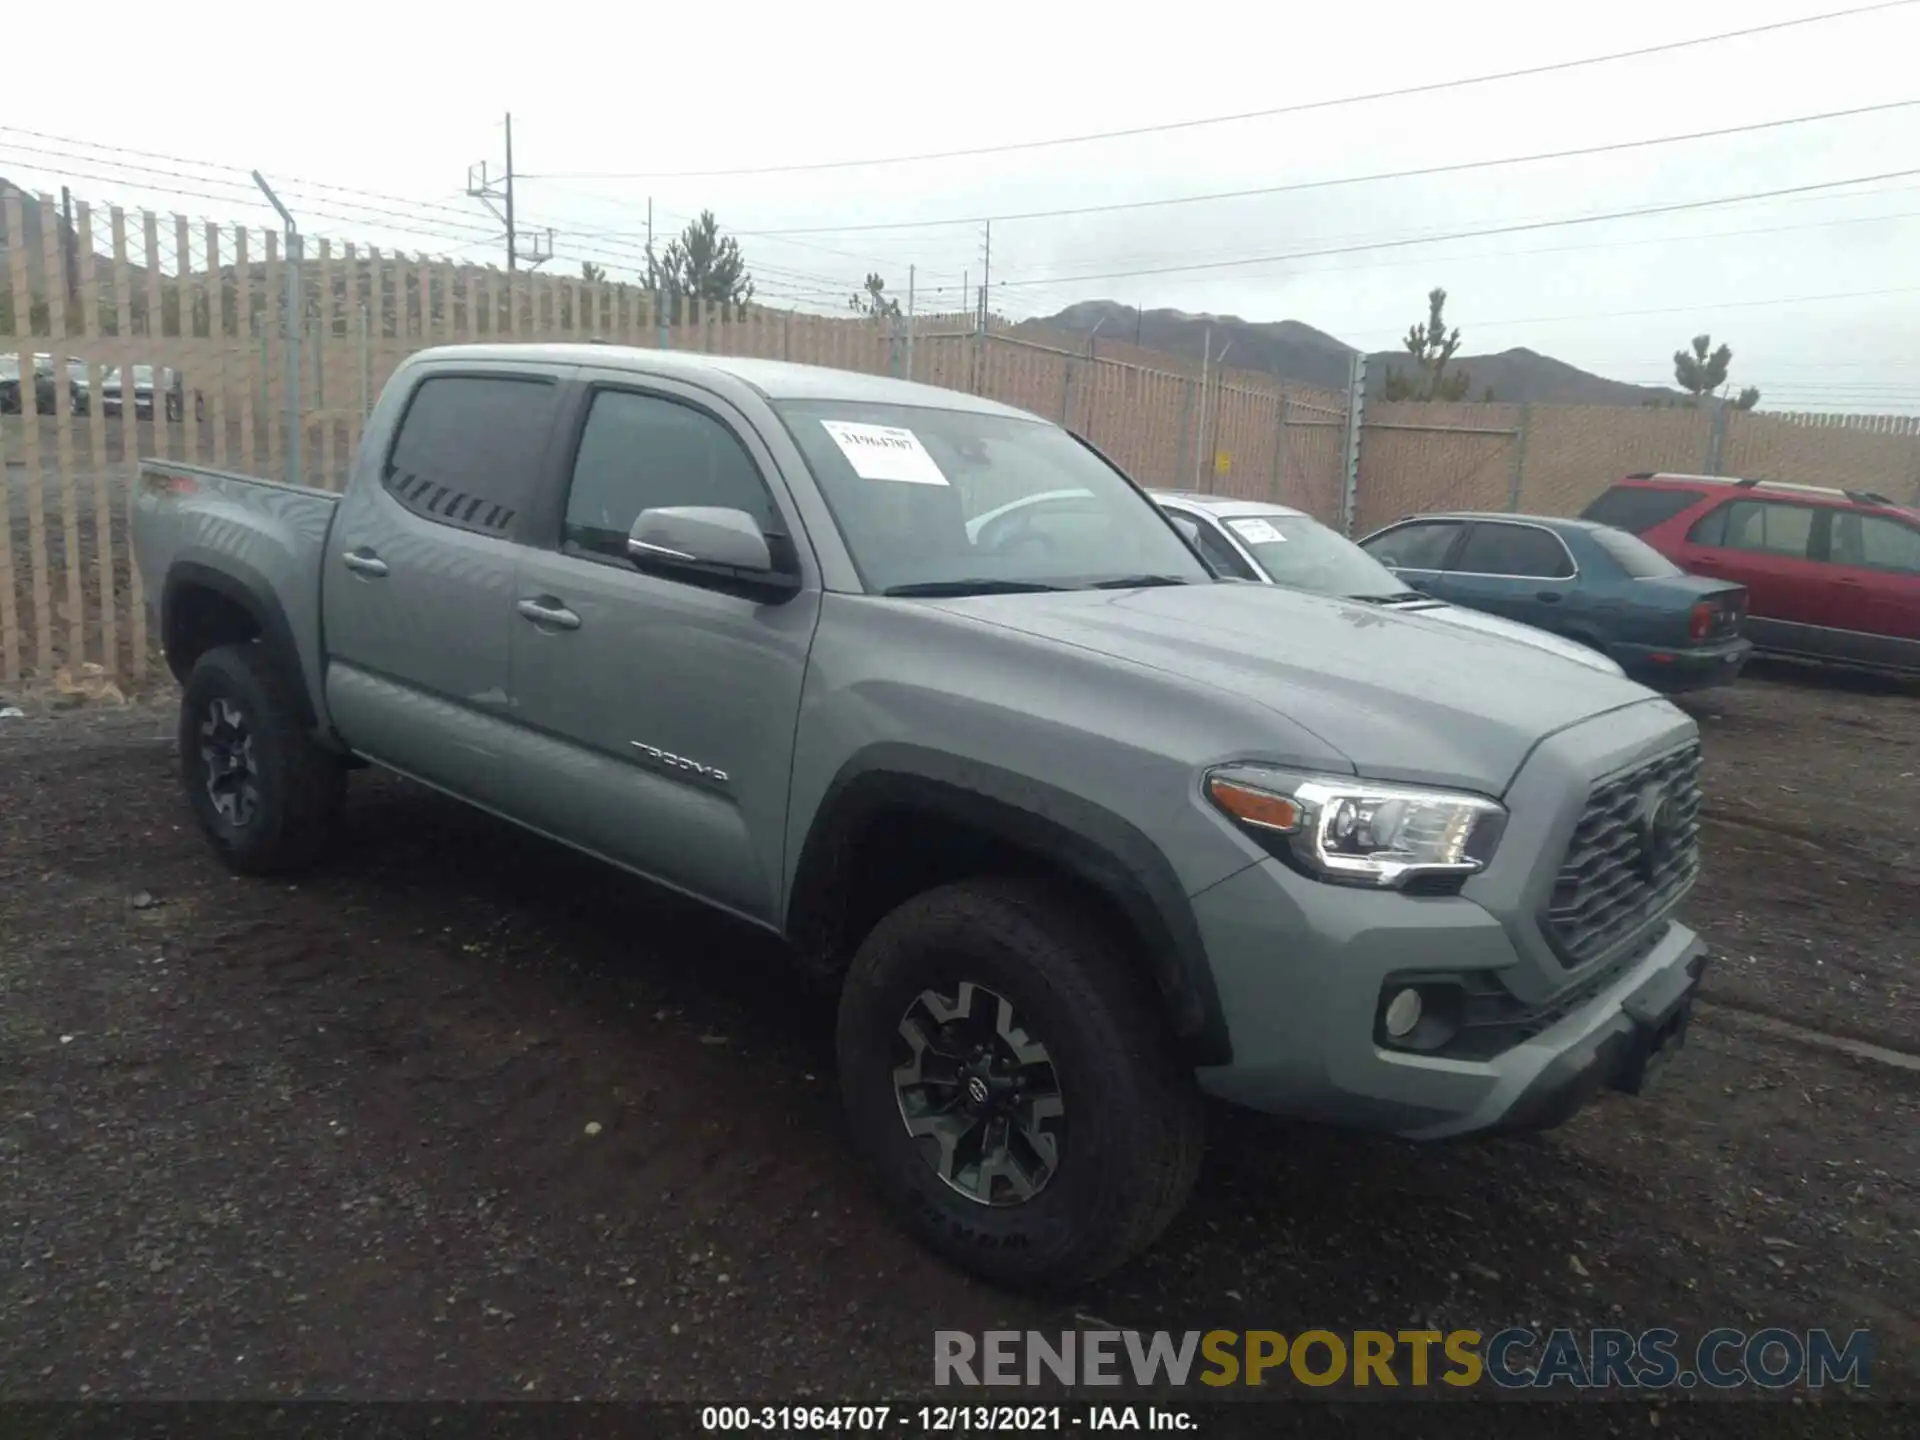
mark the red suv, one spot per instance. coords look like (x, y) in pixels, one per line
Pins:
(1830, 574)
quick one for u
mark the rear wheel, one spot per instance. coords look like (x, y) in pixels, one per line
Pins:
(267, 797)
(1010, 1085)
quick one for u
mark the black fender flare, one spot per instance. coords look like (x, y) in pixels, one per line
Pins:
(1095, 845)
(245, 587)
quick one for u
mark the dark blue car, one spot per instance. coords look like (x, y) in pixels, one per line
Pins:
(1591, 583)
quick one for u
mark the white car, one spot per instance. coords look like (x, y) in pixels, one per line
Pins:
(1276, 545)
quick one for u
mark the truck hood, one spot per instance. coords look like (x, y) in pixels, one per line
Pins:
(1404, 697)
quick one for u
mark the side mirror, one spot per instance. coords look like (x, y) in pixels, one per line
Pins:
(709, 545)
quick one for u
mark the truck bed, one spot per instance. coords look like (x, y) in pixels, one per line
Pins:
(193, 524)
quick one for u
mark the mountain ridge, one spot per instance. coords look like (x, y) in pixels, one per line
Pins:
(1292, 350)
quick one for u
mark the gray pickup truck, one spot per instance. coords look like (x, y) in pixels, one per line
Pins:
(1079, 830)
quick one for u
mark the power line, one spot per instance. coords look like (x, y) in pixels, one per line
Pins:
(292, 182)
(1298, 185)
(1301, 107)
(1060, 285)
(1666, 209)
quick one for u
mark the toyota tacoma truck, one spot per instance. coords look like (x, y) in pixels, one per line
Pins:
(1080, 831)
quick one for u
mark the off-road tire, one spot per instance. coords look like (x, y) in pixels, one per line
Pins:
(1134, 1121)
(300, 786)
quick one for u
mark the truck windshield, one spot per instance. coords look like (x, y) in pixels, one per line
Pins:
(954, 500)
(1302, 553)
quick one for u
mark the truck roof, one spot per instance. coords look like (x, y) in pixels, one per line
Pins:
(775, 379)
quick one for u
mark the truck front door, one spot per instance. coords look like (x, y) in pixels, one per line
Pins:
(656, 716)
(418, 582)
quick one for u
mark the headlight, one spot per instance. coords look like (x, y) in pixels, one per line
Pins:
(1357, 832)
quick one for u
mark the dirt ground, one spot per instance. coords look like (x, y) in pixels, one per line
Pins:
(332, 1139)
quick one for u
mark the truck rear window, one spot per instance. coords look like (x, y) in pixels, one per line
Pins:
(1637, 510)
(469, 447)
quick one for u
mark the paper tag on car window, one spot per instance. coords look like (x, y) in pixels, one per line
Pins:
(884, 452)
(1257, 532)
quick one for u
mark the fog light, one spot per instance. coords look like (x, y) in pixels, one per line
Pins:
(1403, 1013)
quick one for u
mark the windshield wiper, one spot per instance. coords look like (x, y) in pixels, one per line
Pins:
(1401, 597)
(1136, 582)
(971, 587)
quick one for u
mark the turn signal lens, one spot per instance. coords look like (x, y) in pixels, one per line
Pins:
(1255, 807)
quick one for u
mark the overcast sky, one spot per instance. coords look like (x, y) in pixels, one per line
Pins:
(391, 106)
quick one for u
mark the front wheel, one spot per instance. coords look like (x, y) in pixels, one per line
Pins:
(1010, 1086)
(267, 797)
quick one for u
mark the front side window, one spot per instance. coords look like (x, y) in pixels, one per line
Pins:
(957, 500)
(644, 452)
(1763, 526)
(1875, 543)
(468, 450)
(1422, 545)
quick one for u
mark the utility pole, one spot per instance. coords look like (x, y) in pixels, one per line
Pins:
(512, 237)
(487, 189)
(986, 277)
(293, 321)
(910, 278)
(67, 241)
(1200, 429)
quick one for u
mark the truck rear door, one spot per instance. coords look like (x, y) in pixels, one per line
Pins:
(418, 588)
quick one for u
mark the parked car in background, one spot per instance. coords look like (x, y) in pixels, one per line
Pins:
(1830, 574)
(45, 378)
(1277, 545)
(79, 385)
(111, 388)
(1585, 581)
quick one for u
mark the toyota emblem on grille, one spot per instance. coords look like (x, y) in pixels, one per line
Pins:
(1659, 831)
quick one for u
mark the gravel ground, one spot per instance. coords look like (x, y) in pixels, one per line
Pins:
(333, 1139)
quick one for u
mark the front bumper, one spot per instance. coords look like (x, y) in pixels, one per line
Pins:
(1313, 1055)
(1302, 968)
(1671, 671)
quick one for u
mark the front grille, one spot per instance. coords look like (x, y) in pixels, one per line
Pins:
(1633, 855)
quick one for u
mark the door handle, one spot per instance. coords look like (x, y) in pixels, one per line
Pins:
(364, 562)
(549, 612)
(1547, 597)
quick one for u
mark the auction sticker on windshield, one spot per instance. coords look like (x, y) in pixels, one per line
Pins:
(1257, 532)
(884, 452)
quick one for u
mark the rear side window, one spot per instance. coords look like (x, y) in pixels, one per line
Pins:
(642, 452)
(469, 449)
(1422, 545)
(1637, 510)
(1500, 549)
(1633, 555)
(1763, 526)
